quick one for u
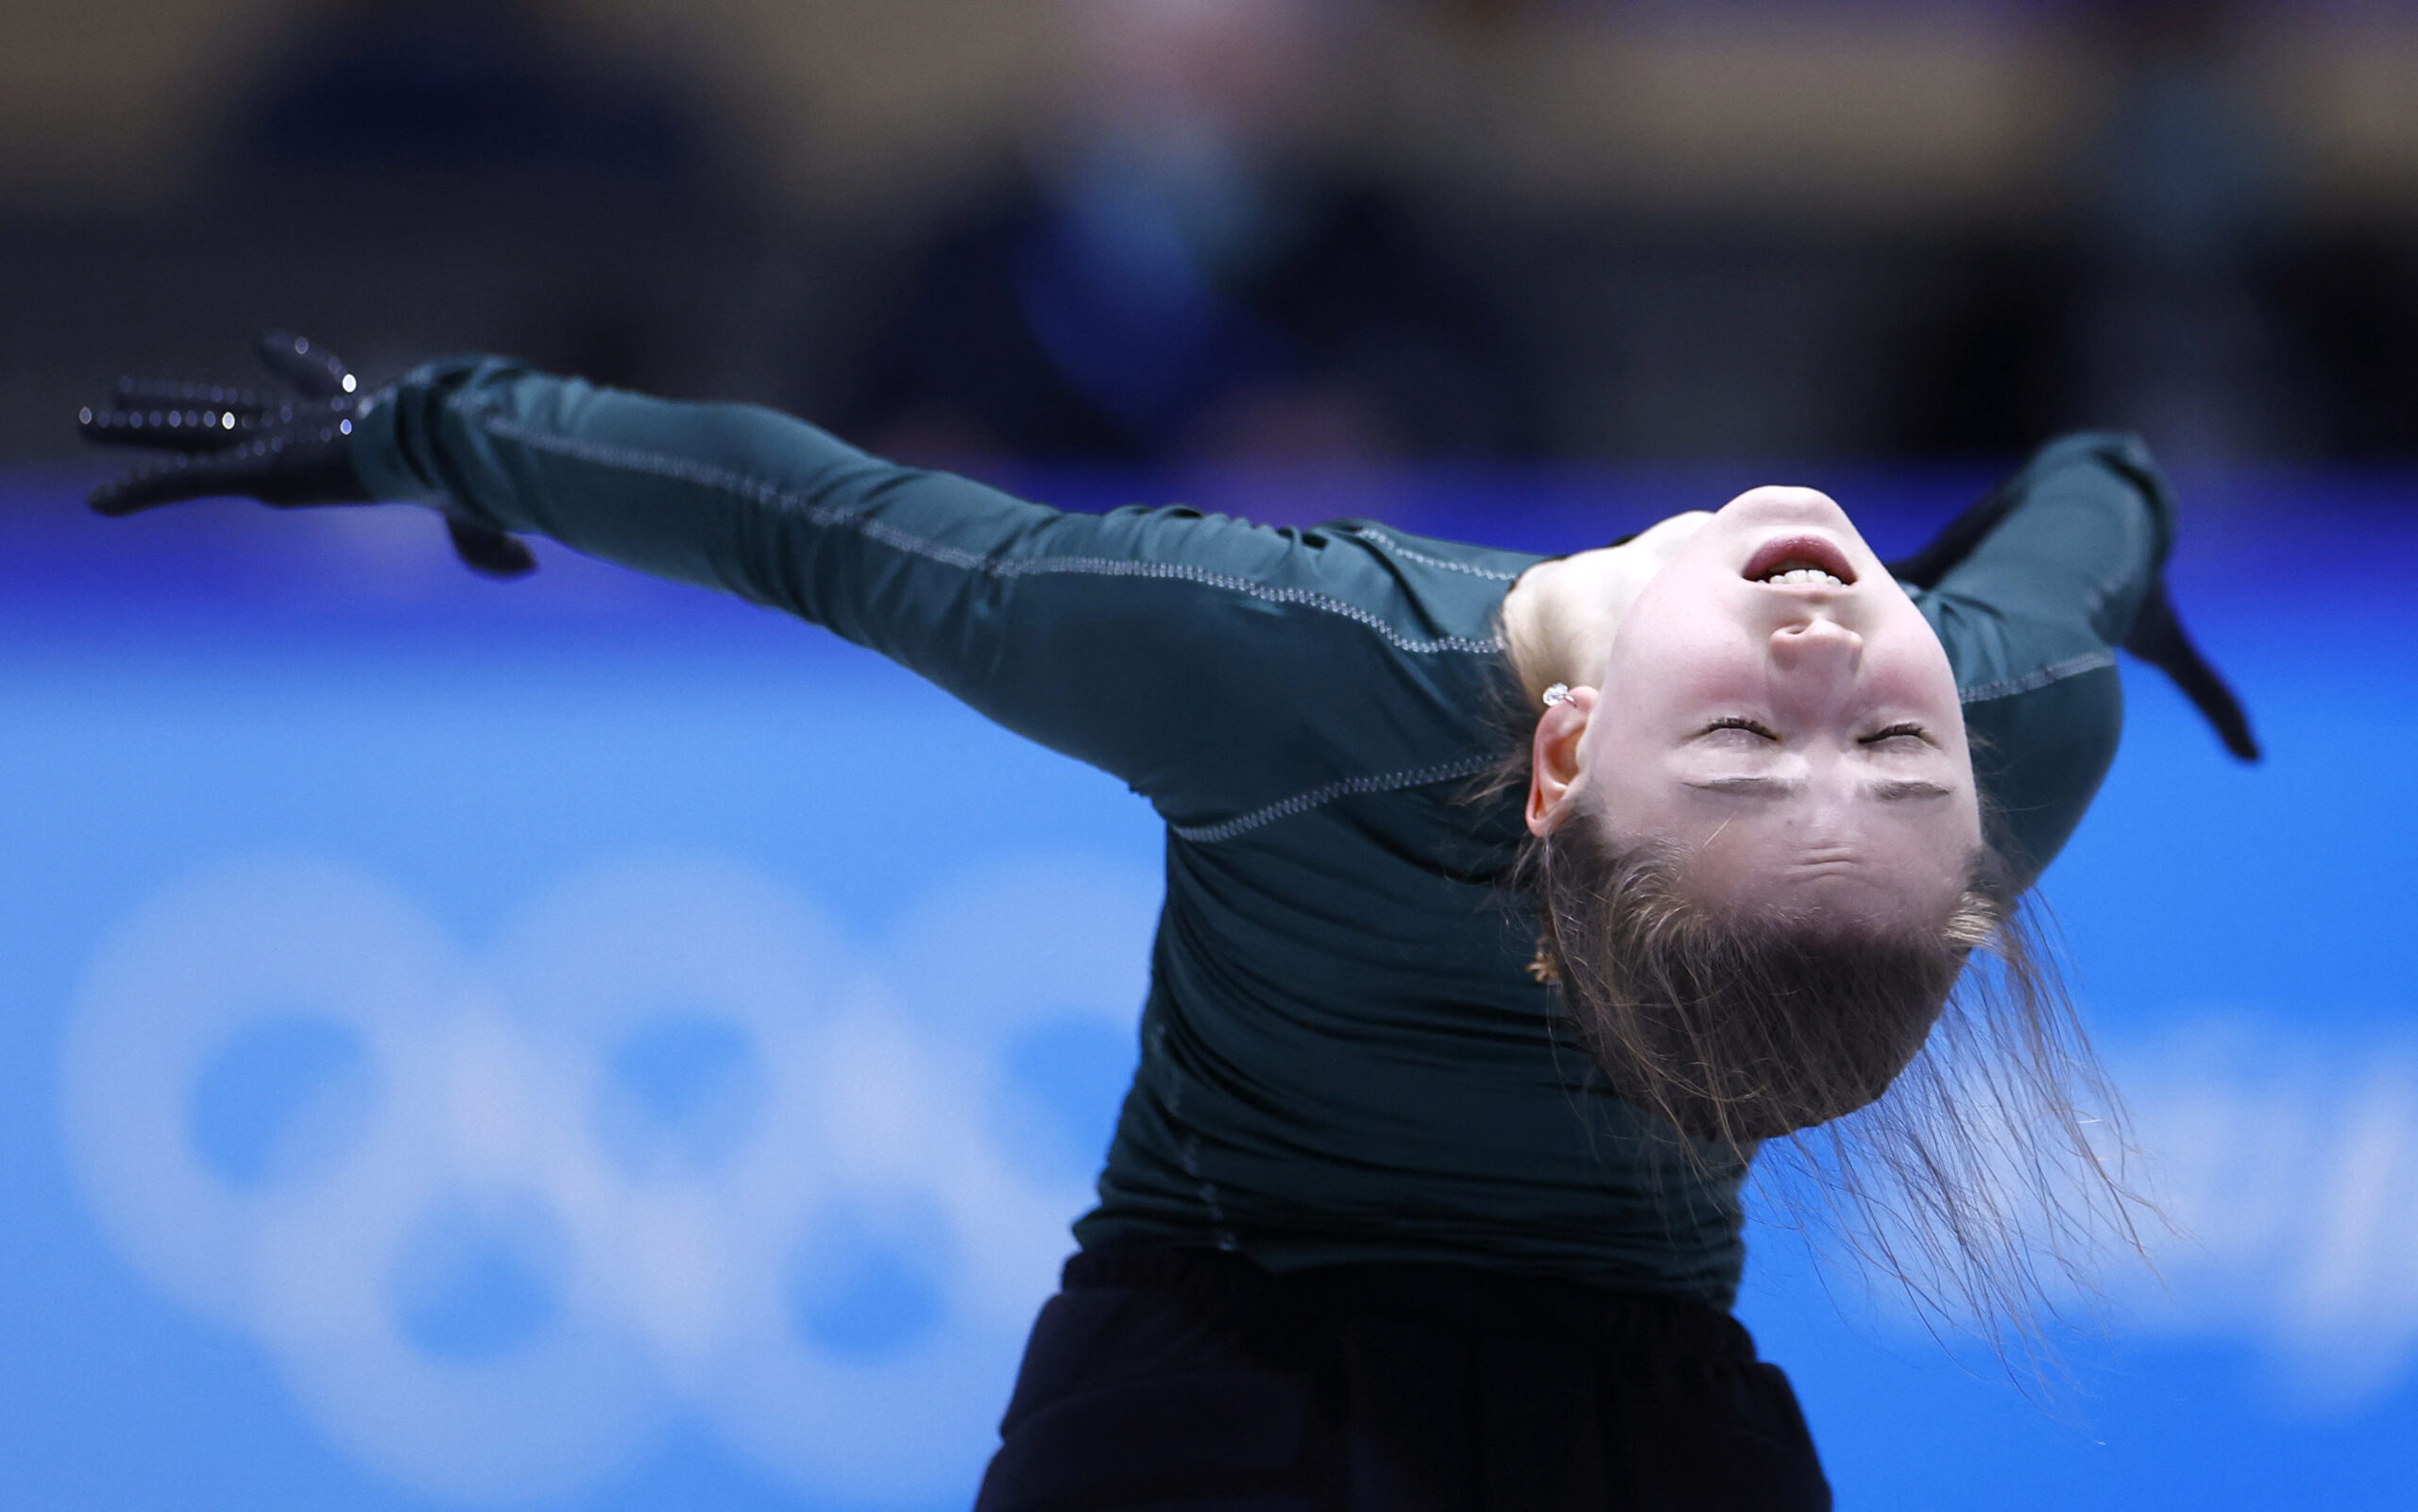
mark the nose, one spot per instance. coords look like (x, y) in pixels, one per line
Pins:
(1783, 499)
(1818, 655)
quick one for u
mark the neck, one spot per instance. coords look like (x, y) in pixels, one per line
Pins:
(1559, 618)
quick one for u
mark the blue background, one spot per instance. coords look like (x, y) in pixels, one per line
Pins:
(220, 688)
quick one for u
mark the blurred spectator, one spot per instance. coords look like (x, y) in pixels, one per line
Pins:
(1170, 275)
(450, 85)
(2351, 297)
(456, 173)
(2176, 341)
(1177, 268)
(2198, 300)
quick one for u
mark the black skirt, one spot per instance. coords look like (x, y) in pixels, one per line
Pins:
(1171, 1378)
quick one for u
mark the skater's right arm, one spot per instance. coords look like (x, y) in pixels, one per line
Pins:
(1208, 662)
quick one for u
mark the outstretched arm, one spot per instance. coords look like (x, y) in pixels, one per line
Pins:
(2032, 591)
(1210, 663)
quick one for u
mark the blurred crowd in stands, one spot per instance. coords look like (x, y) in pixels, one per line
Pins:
(1213, 230)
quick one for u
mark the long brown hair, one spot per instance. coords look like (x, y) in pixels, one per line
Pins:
(1924, 1093)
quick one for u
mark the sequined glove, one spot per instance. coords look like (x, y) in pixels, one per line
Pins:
(290, 450)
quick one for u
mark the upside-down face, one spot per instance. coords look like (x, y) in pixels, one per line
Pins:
(1775, 704)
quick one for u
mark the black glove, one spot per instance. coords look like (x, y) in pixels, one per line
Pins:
(290, 452)
(2157, 636)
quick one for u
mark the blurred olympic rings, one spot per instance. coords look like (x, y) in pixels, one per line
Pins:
(677, 1146)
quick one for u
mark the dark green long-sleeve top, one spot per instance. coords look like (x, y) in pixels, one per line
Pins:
(1343, 1056)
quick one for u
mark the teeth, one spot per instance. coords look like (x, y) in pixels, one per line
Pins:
(1806, 574)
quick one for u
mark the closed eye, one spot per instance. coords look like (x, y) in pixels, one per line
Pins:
(1896, 732)
(1738, 722)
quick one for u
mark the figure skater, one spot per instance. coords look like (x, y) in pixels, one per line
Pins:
(1512, 905)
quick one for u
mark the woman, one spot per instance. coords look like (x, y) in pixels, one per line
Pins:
(1462, 1026)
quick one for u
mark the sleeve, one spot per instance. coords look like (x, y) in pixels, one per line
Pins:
(2052, 566)
(1204, 660)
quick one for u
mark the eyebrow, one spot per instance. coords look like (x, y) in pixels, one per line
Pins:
(1897, 788)
(1894, 789)
(1749, 787)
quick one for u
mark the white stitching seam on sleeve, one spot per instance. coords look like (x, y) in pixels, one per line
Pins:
(1425, 560)
(722, 479)
(2040, 677)
(1299, 803)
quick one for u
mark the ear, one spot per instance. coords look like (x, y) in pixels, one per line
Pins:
(1553, 761)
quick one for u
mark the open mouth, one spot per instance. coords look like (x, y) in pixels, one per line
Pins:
(1798, 561)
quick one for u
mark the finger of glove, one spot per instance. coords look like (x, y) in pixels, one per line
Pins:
(489, 553)
(207, 430)
(309, 370)
(176, 481)
(160, 393)
(291, 469)
(165, 430)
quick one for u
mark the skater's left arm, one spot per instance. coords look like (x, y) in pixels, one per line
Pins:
(2033, 592)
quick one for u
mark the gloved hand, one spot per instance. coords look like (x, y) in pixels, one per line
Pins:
(287, 452)
(2157, 635)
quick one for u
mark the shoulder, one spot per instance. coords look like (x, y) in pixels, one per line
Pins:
(1357, 665)
(1451, 591)
(1418, 595)
(1484, 564)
